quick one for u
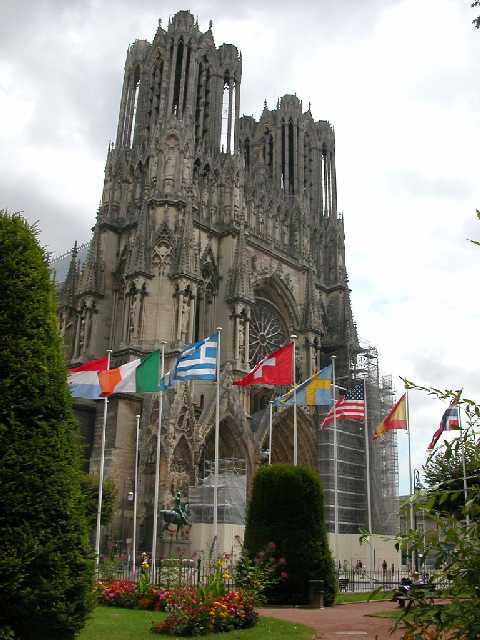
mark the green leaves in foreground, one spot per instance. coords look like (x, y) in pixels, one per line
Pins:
(45, 570)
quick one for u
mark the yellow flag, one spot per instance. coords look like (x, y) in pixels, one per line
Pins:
(395, 419)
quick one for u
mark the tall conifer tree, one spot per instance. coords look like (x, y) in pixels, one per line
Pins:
(45, 566)
(286, 508)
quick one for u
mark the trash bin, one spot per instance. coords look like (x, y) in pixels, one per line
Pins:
(315, 593)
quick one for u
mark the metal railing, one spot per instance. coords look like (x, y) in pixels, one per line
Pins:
(182, 572)
(171, 572)
(362, 581)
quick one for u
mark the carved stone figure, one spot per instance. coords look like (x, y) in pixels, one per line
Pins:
(185, 317)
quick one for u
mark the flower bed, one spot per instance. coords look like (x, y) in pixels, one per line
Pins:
(130, 595)
(211, 606)
(190, 611)
(194, 612)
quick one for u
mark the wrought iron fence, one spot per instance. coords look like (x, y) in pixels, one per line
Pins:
(171, 572)
(184, 572)
(363, 581)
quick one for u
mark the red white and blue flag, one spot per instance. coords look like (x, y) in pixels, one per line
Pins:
(83, 381)
(350, 407)
(450, 422)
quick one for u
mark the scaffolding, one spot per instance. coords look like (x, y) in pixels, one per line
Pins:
(383, 451)
(351, 457)
(59, 265)
(232, 492)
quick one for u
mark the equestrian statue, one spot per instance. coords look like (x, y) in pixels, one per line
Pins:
(179, 515)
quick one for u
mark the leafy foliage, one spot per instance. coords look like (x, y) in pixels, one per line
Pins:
(286, 507)
(458, 559)
(89, 486)
(443, 473)
(45, 571)
(476, 21)
(260, 574)
(454, 538)
(478, 212)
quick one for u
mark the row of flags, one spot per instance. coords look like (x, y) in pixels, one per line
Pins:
(199, 362)
(93, 380)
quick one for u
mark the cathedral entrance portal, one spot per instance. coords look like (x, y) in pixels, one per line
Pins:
(282, 438)
(231, 447)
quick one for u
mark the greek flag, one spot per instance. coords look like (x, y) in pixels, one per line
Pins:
(198, 361)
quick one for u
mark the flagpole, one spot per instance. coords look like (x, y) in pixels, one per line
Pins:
(100, 477)
(335, 456)
(464, 465)
(412, 517)
(157, 468)
(217, 446)
(367, 460)
(295, 431)
(134, 537)
(270, 434)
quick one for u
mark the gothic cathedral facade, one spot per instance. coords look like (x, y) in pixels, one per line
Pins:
(207, 219)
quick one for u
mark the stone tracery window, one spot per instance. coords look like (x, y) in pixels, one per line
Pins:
(206, 296)
(267, 330)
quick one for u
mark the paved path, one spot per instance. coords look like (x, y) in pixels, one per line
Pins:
(342, 622)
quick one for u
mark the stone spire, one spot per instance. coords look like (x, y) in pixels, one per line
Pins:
(138, 260)
(91, 280)
(240, 280)
(69, 289)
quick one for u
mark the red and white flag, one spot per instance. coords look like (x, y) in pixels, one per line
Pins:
(275, 369)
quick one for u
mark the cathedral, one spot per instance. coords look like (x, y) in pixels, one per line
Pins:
(209, 219)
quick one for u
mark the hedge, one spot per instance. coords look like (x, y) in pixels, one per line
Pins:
(46, 569)
(286, 508)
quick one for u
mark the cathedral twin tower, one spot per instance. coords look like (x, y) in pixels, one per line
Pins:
(207, 219)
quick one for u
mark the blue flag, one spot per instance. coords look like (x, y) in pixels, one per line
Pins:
(198, 361)
(317, 390)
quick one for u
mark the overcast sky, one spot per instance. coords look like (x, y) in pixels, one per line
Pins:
(399, 80)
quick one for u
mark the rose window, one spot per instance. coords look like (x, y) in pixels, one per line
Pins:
(267, 330)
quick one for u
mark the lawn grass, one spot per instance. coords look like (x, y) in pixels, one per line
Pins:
(344, 598)
(110, 623)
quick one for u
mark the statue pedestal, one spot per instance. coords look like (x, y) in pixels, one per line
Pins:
(169, 547)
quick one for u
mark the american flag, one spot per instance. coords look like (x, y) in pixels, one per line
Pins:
(350, 407)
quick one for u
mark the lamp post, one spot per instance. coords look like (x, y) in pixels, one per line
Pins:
(417, 485)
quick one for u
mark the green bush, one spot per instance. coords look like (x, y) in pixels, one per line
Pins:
(286, 508)
(89, 486)
(46, 573)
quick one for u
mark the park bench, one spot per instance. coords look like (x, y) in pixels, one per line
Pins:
(343, 583)
(405, 597)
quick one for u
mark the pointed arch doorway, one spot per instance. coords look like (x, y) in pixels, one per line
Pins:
(282, 438)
